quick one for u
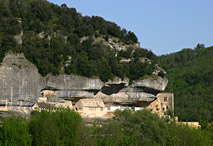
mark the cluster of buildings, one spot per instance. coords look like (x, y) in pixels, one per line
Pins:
(95, 107)
(163, 105)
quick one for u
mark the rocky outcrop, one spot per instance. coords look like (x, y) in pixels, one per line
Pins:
(138, 92)
(73, 86)
(21, 84)
(18, 38)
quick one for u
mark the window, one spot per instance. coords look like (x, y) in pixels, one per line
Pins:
(165, 99)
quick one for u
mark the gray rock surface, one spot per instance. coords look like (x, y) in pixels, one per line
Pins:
(20, 81)
(18, 38)
(66, 82)
(74, 86)
(139, 91)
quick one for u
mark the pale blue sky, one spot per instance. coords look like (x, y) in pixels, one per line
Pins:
(164, 26)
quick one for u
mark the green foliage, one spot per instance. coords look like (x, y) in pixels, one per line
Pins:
(147, 128)
(14, 132)
(69, 123)
(59, 128)
(53, 34)
(127, 128)
(204, 124)
(191, 80)
(44, 130)
(187, 136)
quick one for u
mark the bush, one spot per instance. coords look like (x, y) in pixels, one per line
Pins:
(15, 132)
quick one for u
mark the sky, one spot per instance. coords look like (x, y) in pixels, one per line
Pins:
(163, 26)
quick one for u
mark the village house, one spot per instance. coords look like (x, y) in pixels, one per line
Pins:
(48, 101)
(164, 102)
(39, 106)
(90, 108)
(47, 95)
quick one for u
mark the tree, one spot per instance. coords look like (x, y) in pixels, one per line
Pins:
(145, 127)
(184, 135)
(68, 123)
(15, 132)
(44, 129)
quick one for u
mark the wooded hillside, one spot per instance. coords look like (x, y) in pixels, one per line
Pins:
(190, 74)
(57, 39)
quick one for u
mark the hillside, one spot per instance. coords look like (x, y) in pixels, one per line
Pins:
(59, 40)
(190, 74)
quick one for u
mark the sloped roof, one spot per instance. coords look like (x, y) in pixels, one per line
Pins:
(92, 102)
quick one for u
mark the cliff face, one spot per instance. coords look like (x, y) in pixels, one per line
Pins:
(20, 81)
(137, 93)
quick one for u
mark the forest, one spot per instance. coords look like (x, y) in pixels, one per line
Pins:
(53, 38)
(190, 74)
(127, 128)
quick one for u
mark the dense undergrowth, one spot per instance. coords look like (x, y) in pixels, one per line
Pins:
(127, 128)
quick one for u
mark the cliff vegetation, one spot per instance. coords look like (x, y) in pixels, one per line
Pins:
(58, 39)
(190, 74)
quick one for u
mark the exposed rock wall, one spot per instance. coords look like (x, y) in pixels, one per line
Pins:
(20, 81)
(139, 91)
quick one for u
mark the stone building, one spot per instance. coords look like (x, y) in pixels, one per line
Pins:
(48, 95)
(48, 101)
(164, 102)
(90, 108)
(39, 106)
(167, 101)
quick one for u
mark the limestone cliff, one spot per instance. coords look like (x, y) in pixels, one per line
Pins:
(20, 81)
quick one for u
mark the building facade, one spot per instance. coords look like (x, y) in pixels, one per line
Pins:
(90, 108)
(163, 104)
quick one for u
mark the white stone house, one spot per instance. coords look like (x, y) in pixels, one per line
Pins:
(90, 108)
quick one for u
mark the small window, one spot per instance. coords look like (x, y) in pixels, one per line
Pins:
(165, 99)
